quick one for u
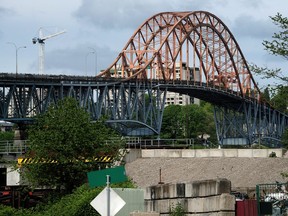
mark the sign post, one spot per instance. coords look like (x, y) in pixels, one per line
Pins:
(108, 195)
(114, 201)
(99, 178)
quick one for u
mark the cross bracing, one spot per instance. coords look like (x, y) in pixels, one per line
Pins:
(131, 92)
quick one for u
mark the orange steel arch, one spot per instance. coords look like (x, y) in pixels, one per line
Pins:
(187, 46)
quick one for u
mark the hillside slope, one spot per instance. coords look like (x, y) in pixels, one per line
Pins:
(242, 172)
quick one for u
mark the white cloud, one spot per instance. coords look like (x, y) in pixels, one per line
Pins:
(79, 59)
(115, 14)
(108, 25)
(255, 28)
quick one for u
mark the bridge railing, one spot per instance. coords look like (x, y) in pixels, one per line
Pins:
(137, 142)
(20, 146)
(13, 147)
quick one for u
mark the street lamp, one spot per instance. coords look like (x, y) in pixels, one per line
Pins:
(16, 50)
(95, 52)
(86, 61)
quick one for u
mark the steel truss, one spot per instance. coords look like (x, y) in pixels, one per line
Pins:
(169, 42)
(252, 123)
(189, 52)
(133, 108)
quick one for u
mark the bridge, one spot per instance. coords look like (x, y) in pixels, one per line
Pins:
(191, 53)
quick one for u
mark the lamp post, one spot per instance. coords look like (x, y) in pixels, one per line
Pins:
(95, 52)
(86, 61)
(16, 51)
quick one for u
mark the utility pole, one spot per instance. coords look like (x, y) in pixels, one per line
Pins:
(95, 52)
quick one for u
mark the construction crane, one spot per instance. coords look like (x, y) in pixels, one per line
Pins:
(41, 41)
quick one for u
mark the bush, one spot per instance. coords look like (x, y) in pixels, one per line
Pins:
(8, 135)
(178, 210)
(272, 154)
(75, 204)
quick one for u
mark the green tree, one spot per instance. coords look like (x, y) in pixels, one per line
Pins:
(6, 135)
(280, 99)
(178, 210)
(171, 123)
(195, 120)
(284, 140)
(66, 134)
(266, 94)
(188, 121)
(210, 127)
(199, 121)
(278, 46)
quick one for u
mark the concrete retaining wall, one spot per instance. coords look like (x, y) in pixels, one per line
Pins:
(184, 153)
(144, 214)
(198, 198)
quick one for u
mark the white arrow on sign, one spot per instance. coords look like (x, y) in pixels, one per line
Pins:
(116, 202)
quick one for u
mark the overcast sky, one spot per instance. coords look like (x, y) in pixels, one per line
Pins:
(107, 25)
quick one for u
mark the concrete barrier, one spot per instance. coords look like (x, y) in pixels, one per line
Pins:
(208, 197)
(144, 214)
(201, 153)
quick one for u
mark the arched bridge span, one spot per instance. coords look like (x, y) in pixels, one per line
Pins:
(197, 47)
(191, 53)
(185, 46)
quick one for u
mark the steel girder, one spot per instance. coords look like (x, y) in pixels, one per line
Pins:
(134, 108)
(167, 41)
(252, 123)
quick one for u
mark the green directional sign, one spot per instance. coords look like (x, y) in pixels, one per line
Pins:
(99, 178)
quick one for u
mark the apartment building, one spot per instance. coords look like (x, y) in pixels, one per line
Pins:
(182, 72)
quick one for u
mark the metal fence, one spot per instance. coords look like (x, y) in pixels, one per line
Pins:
(272, 199)
(13, 147)
(20, 146)
(137, 142)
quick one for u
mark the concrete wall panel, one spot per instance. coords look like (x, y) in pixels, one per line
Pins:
(245, 153)
(230, 152)
(144, 214)
(227, 202)
(188, 153)
(148, 153)
(215, 153)
(162, 153)
(202, 153)
(209, 197)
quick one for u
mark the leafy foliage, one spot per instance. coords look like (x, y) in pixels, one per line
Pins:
(280, 100)
(6, 135)
(188, 121)
(266, 94)
(171, 123)
(66, 134)
(284, 139)
(278, 46)
(178, 210)
(75, 204)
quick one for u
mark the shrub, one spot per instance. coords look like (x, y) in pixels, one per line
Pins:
(178, 210)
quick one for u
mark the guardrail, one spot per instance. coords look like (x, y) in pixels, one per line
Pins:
(13, 147)
(158, 143)
(20, 146)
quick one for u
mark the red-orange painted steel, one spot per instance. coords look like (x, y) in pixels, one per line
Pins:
(166, 42)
